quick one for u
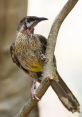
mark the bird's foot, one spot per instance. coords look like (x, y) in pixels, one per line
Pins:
(33, 90)
(44, 58)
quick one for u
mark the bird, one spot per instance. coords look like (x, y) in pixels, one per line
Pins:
(28, 52)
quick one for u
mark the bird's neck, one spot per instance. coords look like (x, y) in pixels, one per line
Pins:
(26, 33)
(29, 32)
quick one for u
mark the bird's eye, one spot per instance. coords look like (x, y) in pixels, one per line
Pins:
(29, 21)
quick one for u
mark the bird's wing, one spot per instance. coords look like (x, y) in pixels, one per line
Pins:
(43, 42)
(14, 57)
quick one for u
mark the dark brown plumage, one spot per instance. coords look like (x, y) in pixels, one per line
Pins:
(28, 52)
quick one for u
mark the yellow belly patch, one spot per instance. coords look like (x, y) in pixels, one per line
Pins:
(36, 67)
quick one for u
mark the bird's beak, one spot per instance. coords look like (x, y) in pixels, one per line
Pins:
(42, 18)
(39, 19)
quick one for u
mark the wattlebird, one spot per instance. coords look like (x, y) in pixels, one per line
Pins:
(29, 53)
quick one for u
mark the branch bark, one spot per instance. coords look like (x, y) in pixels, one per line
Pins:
(52, 38)
(29, 105)
(49, 68)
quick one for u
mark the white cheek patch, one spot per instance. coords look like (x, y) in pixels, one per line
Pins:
(29, 24)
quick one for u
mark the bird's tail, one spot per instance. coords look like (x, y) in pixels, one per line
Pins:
(65, 95)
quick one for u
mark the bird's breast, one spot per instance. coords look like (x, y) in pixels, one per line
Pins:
(25, 42)
(28, 52)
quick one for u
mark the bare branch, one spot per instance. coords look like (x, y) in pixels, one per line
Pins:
(29, 105)
(48, 69)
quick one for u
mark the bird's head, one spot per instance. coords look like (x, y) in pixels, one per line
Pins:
(28, 23)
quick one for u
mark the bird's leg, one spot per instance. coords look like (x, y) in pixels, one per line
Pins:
(33, 90)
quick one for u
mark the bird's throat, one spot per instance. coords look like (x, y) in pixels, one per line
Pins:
(29, 31)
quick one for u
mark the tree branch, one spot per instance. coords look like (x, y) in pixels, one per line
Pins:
(52, 38)
(49, 69)
(29, 105)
